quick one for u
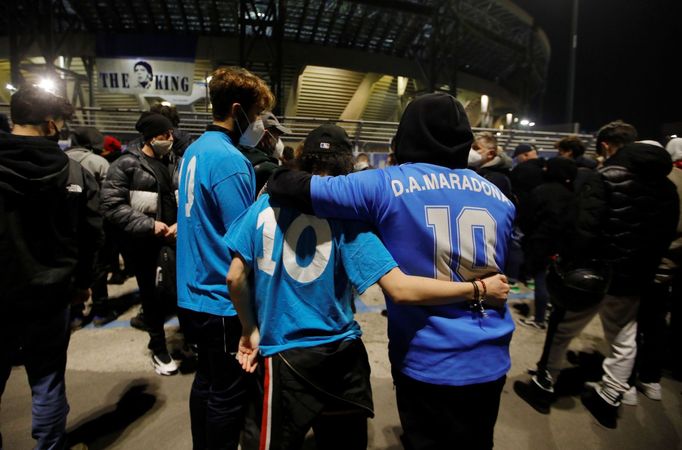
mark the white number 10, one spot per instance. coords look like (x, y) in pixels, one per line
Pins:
(474, 246)
(323, 245)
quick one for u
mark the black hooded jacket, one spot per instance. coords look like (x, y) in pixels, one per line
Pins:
(548, 221)
(50, 228)
(642, 210)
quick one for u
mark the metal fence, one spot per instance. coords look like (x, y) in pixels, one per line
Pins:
(368, 136)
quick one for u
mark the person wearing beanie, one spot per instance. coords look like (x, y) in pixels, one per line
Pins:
(138, 197)
(438, 220)
(111, 148)
(524, 152)
(303, 354)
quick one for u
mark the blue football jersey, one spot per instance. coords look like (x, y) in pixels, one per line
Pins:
(303, 271)
(440, 223)
(217, 183)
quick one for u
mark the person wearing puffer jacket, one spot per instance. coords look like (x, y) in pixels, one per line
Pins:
(638, 223)
(138, 196)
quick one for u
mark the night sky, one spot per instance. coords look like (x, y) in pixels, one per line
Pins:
(627, 53)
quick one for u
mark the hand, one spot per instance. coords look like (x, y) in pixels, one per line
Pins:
(160, 228)
(497, 287)
(80, 296)
(172, 232)
(247, 353)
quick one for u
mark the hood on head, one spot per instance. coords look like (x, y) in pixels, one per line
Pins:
(644, 159)
(561, 170)
(31, 164)
(434, 129)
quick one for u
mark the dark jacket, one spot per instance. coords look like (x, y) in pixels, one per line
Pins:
(130, 193)
(50, 228)
(263, 165)
(642, 209)
(549, 221)
(525, 177)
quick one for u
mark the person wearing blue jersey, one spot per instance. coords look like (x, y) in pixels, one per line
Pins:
(217, 183)
(438, 220)
(304, 268)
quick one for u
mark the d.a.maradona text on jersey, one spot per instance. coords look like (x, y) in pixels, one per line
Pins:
(461, 182)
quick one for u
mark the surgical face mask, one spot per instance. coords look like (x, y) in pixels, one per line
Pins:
(251, 136)
(161, 147)
(475, 158)
(279, 149)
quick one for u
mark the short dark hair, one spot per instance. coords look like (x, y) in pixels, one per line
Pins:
(617, 133)
(230, 85)
(332, 164)
(32, 105)
(146, 65)
(170, 112)
(573, 144)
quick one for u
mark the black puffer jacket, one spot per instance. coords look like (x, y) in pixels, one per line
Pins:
(130, 194)
(50, 228)
(642, 209)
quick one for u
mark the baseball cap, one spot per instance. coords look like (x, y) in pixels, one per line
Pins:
(327, 139)
(269, 121)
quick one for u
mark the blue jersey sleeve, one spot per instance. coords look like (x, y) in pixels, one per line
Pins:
(241, 234)
(364, 257)
(358, 196)
(233, 195)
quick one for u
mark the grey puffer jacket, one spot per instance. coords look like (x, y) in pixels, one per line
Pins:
(130, 193)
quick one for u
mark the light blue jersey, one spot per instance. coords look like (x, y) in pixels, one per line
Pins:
(217, 184)
(439, 223)
(303, 270)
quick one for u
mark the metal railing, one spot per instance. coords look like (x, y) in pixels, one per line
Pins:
(369, 136)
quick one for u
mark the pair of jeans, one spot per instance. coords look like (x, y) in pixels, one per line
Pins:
(218, 397)
(41, 342)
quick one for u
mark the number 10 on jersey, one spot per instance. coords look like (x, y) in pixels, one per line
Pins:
(466, 252)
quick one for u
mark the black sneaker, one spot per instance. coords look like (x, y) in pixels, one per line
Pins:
(139, 323)
(605, 413)
(104, 318)
(536, 396)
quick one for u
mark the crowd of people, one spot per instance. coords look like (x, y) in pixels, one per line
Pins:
(259, 248)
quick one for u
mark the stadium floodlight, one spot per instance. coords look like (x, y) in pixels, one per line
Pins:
(47, 84)
(531, 124)
(524, 122)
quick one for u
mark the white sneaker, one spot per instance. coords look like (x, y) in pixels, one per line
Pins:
(164, 364)
(651, 390)
(630, 397)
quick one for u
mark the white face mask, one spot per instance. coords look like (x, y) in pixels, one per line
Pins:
(253, 133)
(279, 149)
(161, 147)
(475, 158)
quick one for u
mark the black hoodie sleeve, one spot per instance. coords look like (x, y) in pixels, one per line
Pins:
(291, 188)
(91, 236)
